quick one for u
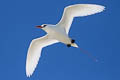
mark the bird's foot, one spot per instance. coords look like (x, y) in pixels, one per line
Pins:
(68, 45)
(72, 41)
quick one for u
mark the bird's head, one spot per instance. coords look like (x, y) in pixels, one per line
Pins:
(45, 27)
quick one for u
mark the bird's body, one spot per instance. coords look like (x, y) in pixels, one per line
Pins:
(58, 33)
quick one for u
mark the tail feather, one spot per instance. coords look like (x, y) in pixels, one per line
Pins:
(74, 45)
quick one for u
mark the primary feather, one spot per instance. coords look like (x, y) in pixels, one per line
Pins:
(78, 10)
(34, 53)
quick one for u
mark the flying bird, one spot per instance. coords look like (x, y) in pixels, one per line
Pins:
(58, 33)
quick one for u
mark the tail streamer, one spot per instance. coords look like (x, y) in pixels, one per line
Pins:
(89, 54)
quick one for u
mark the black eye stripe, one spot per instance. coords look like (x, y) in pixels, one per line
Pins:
(44, 25)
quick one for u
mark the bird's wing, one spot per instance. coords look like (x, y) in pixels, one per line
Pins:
(78, 10)
(34, 53)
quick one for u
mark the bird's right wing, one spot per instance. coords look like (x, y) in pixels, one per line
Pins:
(34, 53)
(78, 10)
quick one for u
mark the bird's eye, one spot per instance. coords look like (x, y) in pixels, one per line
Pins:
(44, 25)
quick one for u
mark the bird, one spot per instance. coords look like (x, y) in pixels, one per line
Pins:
(58, 32)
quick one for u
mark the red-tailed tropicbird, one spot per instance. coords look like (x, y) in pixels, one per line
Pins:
(58, 33)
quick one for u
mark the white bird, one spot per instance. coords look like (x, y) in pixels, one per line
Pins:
(58, 33)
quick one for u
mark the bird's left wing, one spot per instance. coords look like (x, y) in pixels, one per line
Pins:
(78, 10)
(34, 53)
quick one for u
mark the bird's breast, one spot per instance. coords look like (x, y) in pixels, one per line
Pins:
(59, 35)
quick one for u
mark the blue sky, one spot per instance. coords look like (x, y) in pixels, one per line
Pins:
(98, 34)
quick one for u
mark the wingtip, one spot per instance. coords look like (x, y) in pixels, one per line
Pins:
(102, 8)
(28, 75)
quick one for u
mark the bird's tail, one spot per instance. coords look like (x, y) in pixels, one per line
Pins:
(74, 45)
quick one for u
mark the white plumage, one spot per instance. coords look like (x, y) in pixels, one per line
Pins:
(34, 52)
(78, 10)
(58, 33)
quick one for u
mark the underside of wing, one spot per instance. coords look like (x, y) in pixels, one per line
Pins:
(34, 53)
(78, 10)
